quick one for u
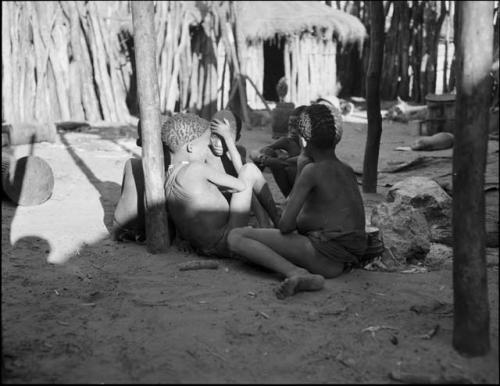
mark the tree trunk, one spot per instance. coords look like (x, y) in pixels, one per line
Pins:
(470, 291)
(370, 163)
(453, 67)
(391, 57)
(157, 232)
(403, 90)
(433, 21)
(417, 10)
(7, 108)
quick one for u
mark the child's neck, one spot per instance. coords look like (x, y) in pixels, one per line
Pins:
(323, 155)
(179, 157)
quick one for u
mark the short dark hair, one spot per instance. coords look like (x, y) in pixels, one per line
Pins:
(232, 119)
(181, 129)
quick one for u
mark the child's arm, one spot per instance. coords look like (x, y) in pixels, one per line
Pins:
(223, 179)
(224, 130)
(302, 161)
(303, 184)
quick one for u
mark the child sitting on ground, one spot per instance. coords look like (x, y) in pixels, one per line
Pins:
(129, 223)
(200, 212)
(281, 155)
(322, 229)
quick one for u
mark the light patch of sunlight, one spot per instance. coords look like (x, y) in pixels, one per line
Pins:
(67, 225)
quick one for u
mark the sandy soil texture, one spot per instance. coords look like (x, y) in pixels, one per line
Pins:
(78, 307)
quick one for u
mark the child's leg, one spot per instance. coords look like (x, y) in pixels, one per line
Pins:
(260, 213)
(282, 180)
(282, 253)
(262, 191)
(241, 201)
(290, 255)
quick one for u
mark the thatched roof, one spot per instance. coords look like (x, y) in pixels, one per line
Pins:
(263, 19)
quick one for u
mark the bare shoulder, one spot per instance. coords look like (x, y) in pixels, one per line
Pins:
(194, 171)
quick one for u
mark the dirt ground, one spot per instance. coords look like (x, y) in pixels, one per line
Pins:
(78, 307)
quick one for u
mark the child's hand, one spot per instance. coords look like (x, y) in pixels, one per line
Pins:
(221, 128)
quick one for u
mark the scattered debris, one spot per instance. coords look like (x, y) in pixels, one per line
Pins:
(262, 313)
(394, 167)
(198, 264)
(373, 329)
(431, 333)
(427, 379)
(348, 362)
(251, 293)
(88, 304)
(149, 303)
(62, 323)
(436, 307)
(416, 269)
(211, 351)
(378, 265)
(394, 340)
(56, 292)
(337, 311)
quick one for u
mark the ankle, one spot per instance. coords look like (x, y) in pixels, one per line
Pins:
(297, 272)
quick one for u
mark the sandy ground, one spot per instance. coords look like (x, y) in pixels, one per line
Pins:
(78, 307)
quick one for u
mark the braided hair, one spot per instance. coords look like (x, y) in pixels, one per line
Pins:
(321, 125)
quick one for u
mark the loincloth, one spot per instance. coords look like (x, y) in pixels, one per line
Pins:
(341, 247)
(219, 248)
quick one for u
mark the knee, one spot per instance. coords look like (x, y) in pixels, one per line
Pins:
(235, 239)
(249, 171)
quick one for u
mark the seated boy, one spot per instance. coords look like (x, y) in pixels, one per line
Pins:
(199, 210)
(129, 223)
(281, 155)
(322, 229)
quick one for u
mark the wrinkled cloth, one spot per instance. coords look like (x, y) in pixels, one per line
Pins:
(171, 186)
(341, 247)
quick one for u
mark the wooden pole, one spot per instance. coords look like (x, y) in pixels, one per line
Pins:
(157, 232)
(470, 290)
(372, 147)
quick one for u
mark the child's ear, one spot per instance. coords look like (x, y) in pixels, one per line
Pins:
(189, 147)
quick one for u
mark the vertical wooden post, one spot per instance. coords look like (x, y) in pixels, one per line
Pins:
(157, 235)
(470, 287)
(372, 147)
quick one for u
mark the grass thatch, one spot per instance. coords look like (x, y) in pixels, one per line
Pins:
(263, 19)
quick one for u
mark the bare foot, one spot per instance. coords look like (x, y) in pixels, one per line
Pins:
(300, 282)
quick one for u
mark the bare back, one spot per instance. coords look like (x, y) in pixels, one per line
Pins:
(196, 205)
(333, 201)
